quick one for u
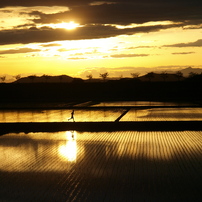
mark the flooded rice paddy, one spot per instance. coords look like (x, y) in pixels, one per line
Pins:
(140, 104)
(164, 114)
(60, 115)
(127, 165)
(102, 115)
(101, 166)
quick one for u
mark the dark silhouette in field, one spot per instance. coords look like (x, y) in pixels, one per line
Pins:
(72, 116)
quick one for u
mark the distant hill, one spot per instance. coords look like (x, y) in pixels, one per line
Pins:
(160, 77)
(171, 76)
(46, 79)
(187, 71)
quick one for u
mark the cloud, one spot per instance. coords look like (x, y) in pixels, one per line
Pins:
(136, 47)
(127, 12)
(43, 3)
(97, 17)
(197, 43)
(17, 51)
(128, 55)
(51, 45)
(182, 53)
(65, 49)
(46, 34)
(76, 58)
(122, 12)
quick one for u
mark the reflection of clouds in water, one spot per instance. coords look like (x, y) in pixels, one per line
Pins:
(142, 113)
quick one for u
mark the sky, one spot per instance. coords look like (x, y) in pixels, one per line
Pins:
(83, 37)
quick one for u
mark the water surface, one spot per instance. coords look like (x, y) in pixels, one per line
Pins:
(101, 166)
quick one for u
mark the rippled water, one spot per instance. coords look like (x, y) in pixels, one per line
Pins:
(60, 151)
(101, 166)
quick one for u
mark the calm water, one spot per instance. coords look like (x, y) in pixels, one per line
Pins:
(140, 103)
(164, 114)
(59, 115)
(96, 115)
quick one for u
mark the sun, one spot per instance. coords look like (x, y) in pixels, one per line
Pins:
(63, 25)
(67, 25)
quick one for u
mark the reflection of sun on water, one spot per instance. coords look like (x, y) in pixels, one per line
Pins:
(68, 151)
(70, 135)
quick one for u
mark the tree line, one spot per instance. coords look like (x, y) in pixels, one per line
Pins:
(105, 76)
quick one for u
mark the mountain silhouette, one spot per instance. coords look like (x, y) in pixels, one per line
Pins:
(187, 71)
(45, 79)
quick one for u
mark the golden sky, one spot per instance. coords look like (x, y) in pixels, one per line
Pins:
(91, 37)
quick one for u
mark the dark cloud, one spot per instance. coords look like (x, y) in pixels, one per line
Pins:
(128, 55)
(197, 43)
(24, 26)
(20, 50)
(45, 34)
(127, 12)
(42, 3)
(120, 12)
(94, 17)
(6, 11)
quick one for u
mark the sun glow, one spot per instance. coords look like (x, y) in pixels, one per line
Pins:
(68, 151)
(66, 25)
(63, 25)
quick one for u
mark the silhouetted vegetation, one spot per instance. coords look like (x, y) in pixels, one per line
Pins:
(164, 75)
(89, 76)
(150, 76)
(3, 78)
(135, 75)
(179, 75)
(111, 90)
(104, 75)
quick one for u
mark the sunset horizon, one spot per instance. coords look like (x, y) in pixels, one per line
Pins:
(93, 37)
(100, 100)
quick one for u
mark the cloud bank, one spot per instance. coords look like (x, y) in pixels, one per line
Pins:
(197, 43)
(99, 19)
